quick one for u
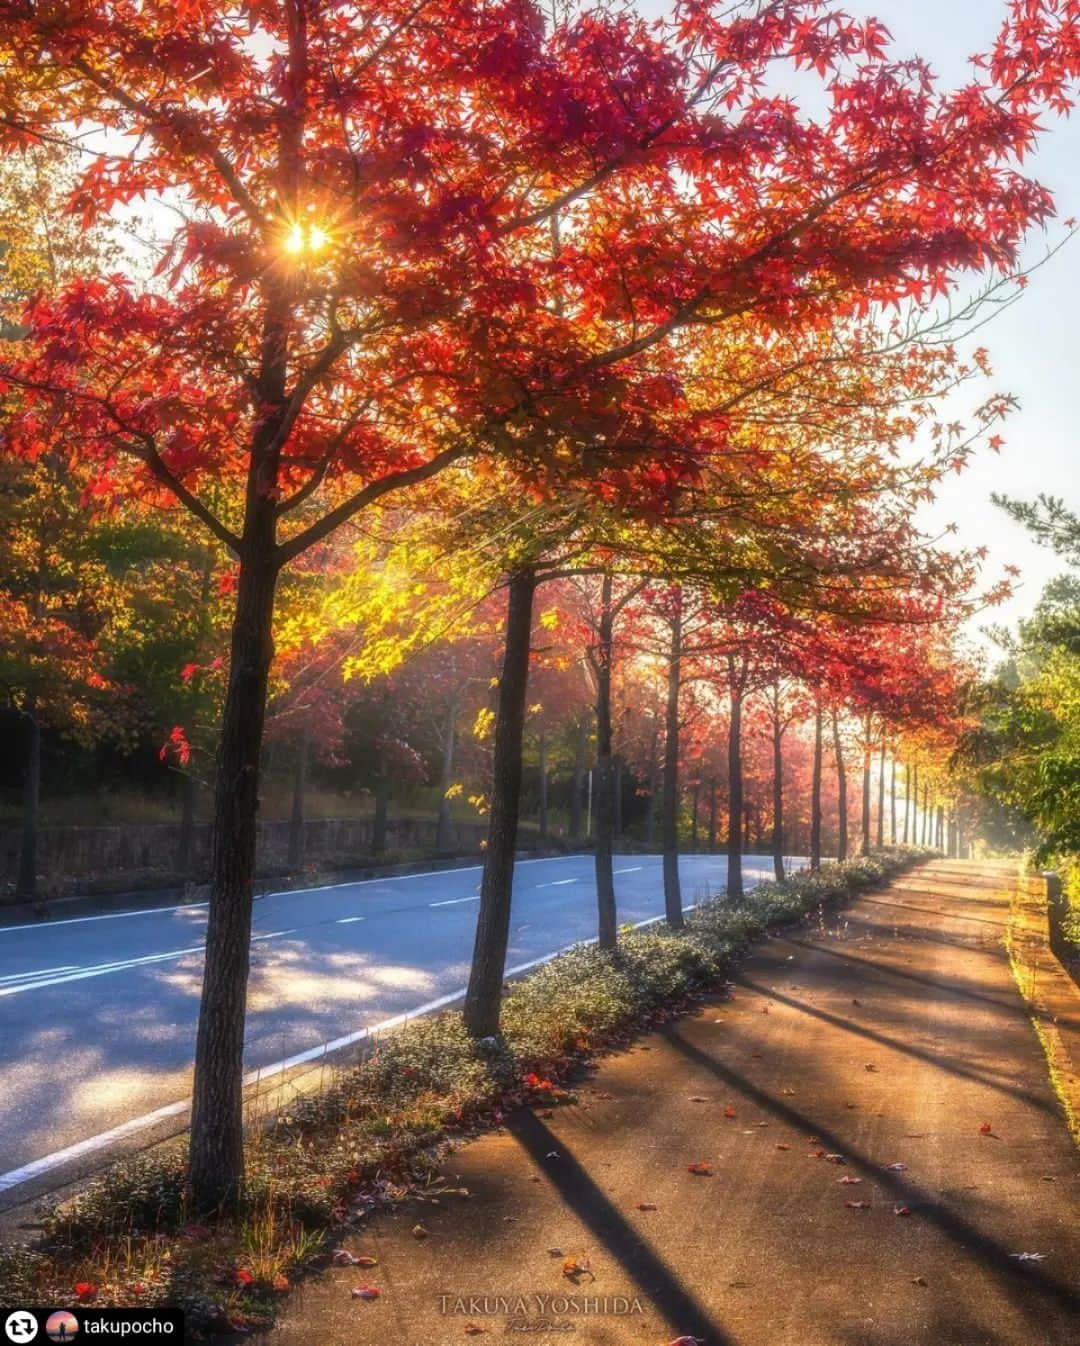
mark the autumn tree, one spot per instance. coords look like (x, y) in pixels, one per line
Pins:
(360, 287)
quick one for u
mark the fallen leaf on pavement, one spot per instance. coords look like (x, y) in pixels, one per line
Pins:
(783, 1147)
(896, 1168)
(872, 1069)
(918, 1280)
(985, 1129)
(701, 1169)
(474, 1329)
(687, 1341)
(729, 1111)
(1028, 1257)
(901, 1210)
(645, 1205)
(835, 1159)
(855, 1002)
(857, 1205)
(848, 1180)
(344, 1258)
(574, 1267)
(419, 1232)
(365, 1292)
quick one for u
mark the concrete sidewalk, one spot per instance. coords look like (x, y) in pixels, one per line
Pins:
(886, 1059)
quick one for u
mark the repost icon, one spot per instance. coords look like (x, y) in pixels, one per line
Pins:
(21, 1327)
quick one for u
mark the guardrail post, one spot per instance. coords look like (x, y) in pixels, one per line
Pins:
(1055, 912)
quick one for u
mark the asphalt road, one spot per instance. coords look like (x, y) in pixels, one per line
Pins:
(98, 1013)
(888, 1163)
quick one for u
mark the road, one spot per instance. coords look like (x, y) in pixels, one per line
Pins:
(98, 1013)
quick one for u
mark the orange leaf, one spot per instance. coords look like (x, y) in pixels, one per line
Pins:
(729, 1111)
(701, 1169)
(365, 1292)
(985, 1130)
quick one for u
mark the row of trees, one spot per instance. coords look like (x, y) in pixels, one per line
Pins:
(447, 301)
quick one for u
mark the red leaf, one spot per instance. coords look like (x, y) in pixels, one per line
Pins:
(365, 1292)
(85, 1290)
(985, 1130)
(701, 1169)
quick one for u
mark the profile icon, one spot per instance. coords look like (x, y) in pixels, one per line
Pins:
(61, 1326)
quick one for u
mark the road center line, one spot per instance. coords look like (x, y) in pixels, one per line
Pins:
(453, 901)
(633, 869)
(348, 920)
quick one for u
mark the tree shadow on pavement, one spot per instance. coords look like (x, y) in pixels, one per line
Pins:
(1007, 1002)
(1032, 1289)
(580, 1193)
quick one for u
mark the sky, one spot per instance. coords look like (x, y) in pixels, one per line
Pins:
(1033, 346)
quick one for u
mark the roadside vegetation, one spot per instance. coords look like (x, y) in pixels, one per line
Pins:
(1024, 754)
(380, 1132)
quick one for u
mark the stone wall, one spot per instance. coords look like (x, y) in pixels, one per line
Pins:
(137, 852)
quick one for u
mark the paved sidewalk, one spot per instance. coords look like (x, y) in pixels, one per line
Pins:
(895, 1039)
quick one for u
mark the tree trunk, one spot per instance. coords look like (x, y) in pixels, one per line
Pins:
(543, 787)
(618, 798)
(712, 817)
(605, 801)
(296, 821)
(382, 809)
(484, 996)
(881, 797)
(815, 796)
(841, 793)
(866, 768)
(735, 796)
(444, 827)
(670, 810)
(577, 794)
(216, 1147)
(26, 884)
(926, 815)
(654, 785)
(778, 795)
(907, 800)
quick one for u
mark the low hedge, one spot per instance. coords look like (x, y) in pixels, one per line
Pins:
(383, 1124)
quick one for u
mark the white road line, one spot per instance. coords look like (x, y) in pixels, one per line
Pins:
(632, 870)
(559, 883)
(286, 892)
(110, 916)
(94, 1143)
(100, 970)
(348, 920)
(41, 972)
(453, 901)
